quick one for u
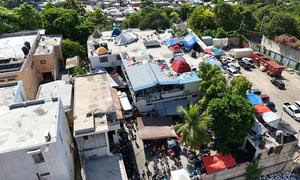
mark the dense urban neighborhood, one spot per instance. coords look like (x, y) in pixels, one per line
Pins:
(149, 89)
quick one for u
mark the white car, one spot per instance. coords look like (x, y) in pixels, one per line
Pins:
(233, 72)
(234, 65)
(292, 110)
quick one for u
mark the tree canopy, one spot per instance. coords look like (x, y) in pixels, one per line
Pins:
(194, 128)
(72, 48)
(239, 85)
(233, 117)
(212, 84)
(202, 18)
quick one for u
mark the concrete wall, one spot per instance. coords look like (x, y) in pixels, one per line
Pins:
(51, 64)
(112, 61)
(19, 164)
(285, 55)
(20, 95)
(94, 145)
(271, 163)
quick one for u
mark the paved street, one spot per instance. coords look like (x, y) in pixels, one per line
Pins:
(261, 81)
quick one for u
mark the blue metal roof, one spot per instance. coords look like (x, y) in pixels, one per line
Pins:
(143, 76)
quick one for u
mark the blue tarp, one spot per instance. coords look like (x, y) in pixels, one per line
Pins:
(171, 42)
(215, 62)
(218, 52)
(116, 32)
(189, 41)
(254, 99)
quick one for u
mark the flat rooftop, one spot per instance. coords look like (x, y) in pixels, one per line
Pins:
(11, 53)
(107, 167)
(47, 44)
(7, 95)
(138, 50)
(58, 89)
(25, 126)
(92, 95)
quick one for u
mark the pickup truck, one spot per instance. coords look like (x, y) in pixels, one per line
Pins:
(292, 110)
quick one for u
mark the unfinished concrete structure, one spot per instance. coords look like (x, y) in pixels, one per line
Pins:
(30, 56)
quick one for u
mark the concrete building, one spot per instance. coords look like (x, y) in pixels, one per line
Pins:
(96, 125)
(10, 93)
(58, 89)
(285, 55)
(95, 118)
(30, 56)
(154, 84)
(35, 142)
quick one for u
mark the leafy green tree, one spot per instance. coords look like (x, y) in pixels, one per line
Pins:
(193, 129)
(240, 85)
(253, 171)
(174, 17)
(233, 117)
(72, 48)
(184, 10)
(281, 23)
(28, 16)
(228, 16)
(99, 20)
(8, 21)
(202, 18)
(147, 3)
(133, 20)
(154, 19)
(72, 4)
(60, 21)
(77, 71)
(212, 84)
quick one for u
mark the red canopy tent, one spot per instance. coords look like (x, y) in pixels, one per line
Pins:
(261, 108)
(218, 162)
(176, 48)
(180, 65)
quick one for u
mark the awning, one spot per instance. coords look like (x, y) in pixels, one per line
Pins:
(286, 128)
(151, 128)
(72, 62)
(218, 162)
(271, 119)
(261, 108)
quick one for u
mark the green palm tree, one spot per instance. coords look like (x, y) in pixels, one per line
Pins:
(193, 129)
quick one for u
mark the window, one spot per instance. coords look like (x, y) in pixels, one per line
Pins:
(38, 158)
(43, 61)
(103, 59)
(85, 138)
(45, 174)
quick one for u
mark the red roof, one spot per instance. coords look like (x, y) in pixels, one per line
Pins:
(180, 66)
(218, 162)
(261, 108)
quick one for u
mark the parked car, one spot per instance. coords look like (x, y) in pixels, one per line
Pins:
(271, 106)
(234, 65)
(265, 98)
(233, 72)
(256, 91)
(297, 103)
(245, 64)
(278, 83)
(292, 110)
(249, 60)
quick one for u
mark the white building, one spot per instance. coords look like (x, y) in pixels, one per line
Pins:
(96, 124)
(11, 92)
(58, 89)
(35, 142)
(95, 117)
(147, 64)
